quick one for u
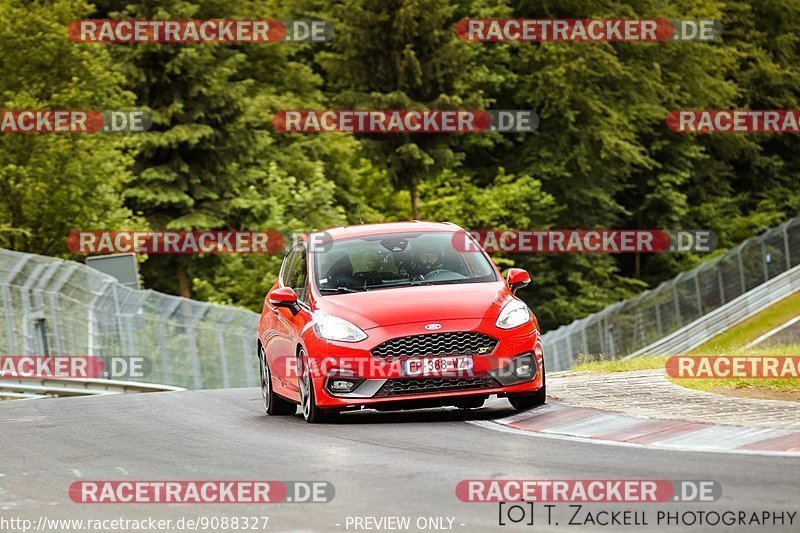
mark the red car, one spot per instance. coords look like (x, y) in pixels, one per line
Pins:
(396, 316)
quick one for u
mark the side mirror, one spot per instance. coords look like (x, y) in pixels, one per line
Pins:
(517, 278)
(283, 297)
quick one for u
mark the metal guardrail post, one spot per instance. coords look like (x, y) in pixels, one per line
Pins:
(94, 346)
(223, 353)
(166, 364)
(786, 250)
(191, 334)
(39, 315)
(658, 316)
(697, 292)
(676, 300)
(12, 337)
(127, 340)
(12, 342)
(54, 293)
(585, 341)
(569, 343)
(28, 338)
(741, 270)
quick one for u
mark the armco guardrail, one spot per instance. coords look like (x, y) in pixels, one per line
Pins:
(5, 395)
(51, 306)
(727, 316)
(42, 387)
(633, 325)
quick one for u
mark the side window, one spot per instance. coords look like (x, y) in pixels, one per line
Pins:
(295, 273)
(286, 268)
(299, 279)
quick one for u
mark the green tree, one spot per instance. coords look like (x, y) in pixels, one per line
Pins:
(52, 184)
(211, 160)
(402, 54)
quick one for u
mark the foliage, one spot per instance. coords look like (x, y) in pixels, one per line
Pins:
(601, 158)
(42, 175)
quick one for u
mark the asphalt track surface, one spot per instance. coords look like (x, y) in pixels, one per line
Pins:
(381, 464)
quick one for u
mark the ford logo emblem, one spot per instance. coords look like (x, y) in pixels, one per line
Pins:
(433, 326)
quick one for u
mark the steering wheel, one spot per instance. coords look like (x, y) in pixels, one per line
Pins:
(437, 271)
(367, 278)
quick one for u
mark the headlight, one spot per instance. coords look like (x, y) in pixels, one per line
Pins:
(515, 313)
(336, 329)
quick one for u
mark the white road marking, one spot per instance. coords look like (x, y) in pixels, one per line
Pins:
(722, 437)
(486, 424)
(23, 419)
(588, 427)
(772, 332)
(547, 408)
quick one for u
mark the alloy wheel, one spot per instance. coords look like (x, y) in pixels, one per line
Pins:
(266, 382)
(305, 385)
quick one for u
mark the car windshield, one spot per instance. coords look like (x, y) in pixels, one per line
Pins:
(397, 260)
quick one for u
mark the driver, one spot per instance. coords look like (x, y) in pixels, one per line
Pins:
(427, 260)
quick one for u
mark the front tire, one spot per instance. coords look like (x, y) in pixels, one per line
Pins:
(312, 413)
(470, 403)
(274, 405)
(529, 401)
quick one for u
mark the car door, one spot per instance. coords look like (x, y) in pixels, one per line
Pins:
(290, 323)
(297, 319)
(279, 344)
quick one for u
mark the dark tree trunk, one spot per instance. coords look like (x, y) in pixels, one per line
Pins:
(414, 199)
(184, 285)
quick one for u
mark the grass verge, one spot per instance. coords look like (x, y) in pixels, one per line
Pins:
(770, 318)
(783, 388)
(731, 342)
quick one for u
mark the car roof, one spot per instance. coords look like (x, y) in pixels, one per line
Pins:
(413, 226)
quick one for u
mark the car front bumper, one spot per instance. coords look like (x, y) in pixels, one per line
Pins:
(514, 366)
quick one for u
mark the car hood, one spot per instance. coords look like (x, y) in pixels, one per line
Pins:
(403, 305)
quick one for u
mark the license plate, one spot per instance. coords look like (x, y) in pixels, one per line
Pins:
(437, 366)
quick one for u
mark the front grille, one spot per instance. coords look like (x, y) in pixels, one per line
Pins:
(435, 344)
(401, 386)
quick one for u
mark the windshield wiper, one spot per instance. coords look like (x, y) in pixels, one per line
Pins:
(341, 289)
(420, 283)
(403, 284)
